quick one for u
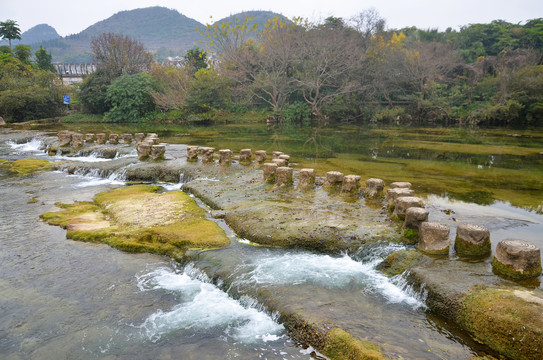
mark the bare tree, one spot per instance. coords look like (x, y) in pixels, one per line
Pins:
(117, 55)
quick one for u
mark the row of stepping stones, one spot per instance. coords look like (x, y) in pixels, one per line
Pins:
(516, 259)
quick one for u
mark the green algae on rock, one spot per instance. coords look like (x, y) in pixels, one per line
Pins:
(26, 166)
(340, 345)
(508, 320)
(400, 261)
(139, 219)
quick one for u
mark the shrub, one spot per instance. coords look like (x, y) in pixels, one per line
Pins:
(298, 113)
(93, 93)
(130, 98)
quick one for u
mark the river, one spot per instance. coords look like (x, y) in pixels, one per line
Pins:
(62, 299)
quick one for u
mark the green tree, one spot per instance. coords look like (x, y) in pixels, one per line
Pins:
(23, 53)
(209, 91)
(10, 30)
(195, 59)
(130, 97)
(43, 59)
(93, 93)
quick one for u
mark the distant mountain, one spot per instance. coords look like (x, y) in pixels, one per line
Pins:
(158, 28)
(36, 35)
(259, 17)
(161, 30)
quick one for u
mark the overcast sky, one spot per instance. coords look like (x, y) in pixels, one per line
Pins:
(73, 16)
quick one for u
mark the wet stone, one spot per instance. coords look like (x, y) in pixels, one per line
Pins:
(393, 194)
(333, 178)
(374, 188)
(89, 137)
(101, 138)
(127, 138)
(414, 216)
(139, 137)
(405, 202)
(400, 185)
(157, 152)
(434, 238)
(225, 156)
(207, 154)
(351, 183)
(144, 149)
(2, 122)
(276, 154)
(283, 176)
(77, 140)
(306, 178)
(286, 158)
(192, 153)
(517, 259)
(269, 170)
(260, 156)
(472, 240)
(113, 138)
(64, 137)
(245, 155)
(280, 162)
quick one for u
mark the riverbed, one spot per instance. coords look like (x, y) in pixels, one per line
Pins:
(65, 299)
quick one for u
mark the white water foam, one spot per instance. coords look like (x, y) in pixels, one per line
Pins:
(330, 272)
(204, 307)
(35, 146)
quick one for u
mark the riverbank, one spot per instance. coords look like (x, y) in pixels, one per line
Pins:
(328, 221)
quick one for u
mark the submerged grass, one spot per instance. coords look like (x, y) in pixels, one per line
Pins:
(139, 219)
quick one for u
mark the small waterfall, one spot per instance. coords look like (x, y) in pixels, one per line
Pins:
(204, 307)
(35, 145)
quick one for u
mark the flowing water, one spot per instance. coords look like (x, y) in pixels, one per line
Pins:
(62, 299)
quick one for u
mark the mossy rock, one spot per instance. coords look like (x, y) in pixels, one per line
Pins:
(510, 272)
(340, 345)
(399, 261)
(139, 219)
(510, 321)
(26, 166)
(465, 248)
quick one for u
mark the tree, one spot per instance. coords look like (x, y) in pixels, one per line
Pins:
(130, 97)
(117, 55)
(10, 30)
(43, 59)
(195, 59)
(23, 53)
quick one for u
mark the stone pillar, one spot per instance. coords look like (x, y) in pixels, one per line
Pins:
(400, 185)
(472, 240)
(276, 154)
(113, 138)
(405, 202)
(127, 138)
(225, 156)
(283, 176)
(139, 137)
(77, 140)
(2, 122)
(374, 188)
(279, 162)
(101, 138)
(64, 137)
(434, 238)
(89, 137)
(333, 178)
(517, 259)
(286, 158)
(144, 149)
(393, 194)
(245, 155)
(157, 152)
(192, 153)
(306, 178)
(269, 170)
(260, 156)
(351, 183)
(207, 154)
(414, 216)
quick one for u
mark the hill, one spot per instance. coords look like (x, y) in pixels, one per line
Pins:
(259, 17)
(161, 30)
(36, 35)
(158, 28)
